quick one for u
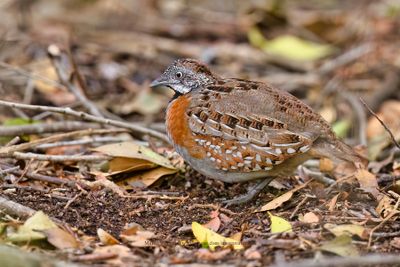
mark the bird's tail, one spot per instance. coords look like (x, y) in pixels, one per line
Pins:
(338, 151)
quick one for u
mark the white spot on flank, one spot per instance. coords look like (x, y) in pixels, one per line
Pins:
(233, 147)
(239, 155)
(278, 151)
(208, 143)
(224, 169)
(233, 167)
(228, 151)
(268, 161)
(257, 167)
(278, 161)
(212, 159)
(258, 157)
(249, 158)
(208, 154)
(304, 149)
(291, 150)
(212, 146)
(247, 162)
(268, 168)
(240, 164)
(219, 161)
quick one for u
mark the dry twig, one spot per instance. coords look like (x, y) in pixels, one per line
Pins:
(85, 116)
(382, 123)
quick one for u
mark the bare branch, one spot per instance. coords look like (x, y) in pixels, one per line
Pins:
(85, 116)
(40, 128)
(59, 158)
(382, 123)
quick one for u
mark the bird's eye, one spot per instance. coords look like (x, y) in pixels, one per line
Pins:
(179, 75)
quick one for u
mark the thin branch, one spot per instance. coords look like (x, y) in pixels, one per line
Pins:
(85, 116)
(40, 128)
(61, 61)
(382, 123)
(15, 209)
(10, 149)
(106, 139)
(59, 158)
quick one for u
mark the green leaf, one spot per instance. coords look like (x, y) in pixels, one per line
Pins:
(279, 225)
(341, 128)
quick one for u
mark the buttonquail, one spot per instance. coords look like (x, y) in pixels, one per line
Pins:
(237, 130)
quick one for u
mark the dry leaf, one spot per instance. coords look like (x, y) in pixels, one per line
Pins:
(207, 255)
(106, 238)
(385, 206)
(276, 202)
(213, 224)
(367, 182)
(342, 246)
(347, 229)
(134, 151)
(60, 239)
(310, 217)
(147, 178)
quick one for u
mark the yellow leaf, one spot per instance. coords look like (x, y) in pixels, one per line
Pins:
(290, 47)
(211, 239)
(30, 229)
(279, 225)
(134, 151)
(347, 229)
(341, 246)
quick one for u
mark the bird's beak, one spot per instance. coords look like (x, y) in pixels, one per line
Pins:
(159, 82)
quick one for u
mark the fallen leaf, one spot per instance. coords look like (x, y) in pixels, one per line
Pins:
(136, 236)
(395, 242)
(134, 151)
(367, 182)
(29, 231)
(252, 253)
(146, 179)
(106, 238)
(276, 202)
(347, 229)
(123, 254)
(342, 246)
(60, 239)
(279, 225)
(211, 239)
(213, 224)
(289, 46)
(385, 206)
(310, 217)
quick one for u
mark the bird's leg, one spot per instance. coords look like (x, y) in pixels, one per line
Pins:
(251, 193)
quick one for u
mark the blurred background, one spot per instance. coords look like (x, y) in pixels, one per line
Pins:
(329, 53)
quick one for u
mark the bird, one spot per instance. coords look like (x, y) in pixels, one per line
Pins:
(235, 130)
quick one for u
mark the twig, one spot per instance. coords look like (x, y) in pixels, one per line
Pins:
(54, 138)
(382, 123)
(15, 209)
(345, 58)
(43, 178)
(13, 141)
(59, 60)
(106, 139)
(85, 116)
(59, 158)
(40, 128)
(8, 170)
(369, 260)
